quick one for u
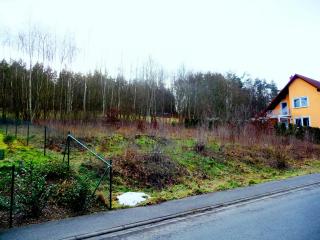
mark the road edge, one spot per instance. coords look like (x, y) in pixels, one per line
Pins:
(186, 213)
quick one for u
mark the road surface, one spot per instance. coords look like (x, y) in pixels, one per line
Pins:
(293, 216)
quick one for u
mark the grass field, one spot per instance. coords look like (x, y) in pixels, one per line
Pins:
(167, 163)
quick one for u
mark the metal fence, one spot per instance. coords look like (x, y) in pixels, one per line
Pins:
(48, 139)
(77, 145)
(40, 136)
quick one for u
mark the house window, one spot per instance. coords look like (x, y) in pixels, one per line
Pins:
(306, 121)
(304, 102)
(300, 102)
(284, 108)
(298, 122)
(302, 121)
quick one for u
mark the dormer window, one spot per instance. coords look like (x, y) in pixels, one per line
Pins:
(300, 102)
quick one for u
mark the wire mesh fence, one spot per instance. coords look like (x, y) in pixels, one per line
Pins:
(37, 135)
(70, 170)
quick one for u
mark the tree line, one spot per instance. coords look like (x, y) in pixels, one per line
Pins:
(70, 95)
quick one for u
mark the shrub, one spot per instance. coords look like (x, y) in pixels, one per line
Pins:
(4, 203)
(299, 133)
(74, 194)
(281, 129)
(149, 170)
(314, 134)
(55, 170)
(280, 159)
(32, 191)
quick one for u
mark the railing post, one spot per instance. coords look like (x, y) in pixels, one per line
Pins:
(16, 131)
(11, 196)
(110, 185)
(68, 149)
(28, 132)
(45, 140)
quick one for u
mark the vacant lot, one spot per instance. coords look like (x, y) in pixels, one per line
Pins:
(167, 162)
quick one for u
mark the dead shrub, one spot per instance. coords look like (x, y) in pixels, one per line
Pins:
(141, 125)
(101, 198)
(148, 170)
(280, 159)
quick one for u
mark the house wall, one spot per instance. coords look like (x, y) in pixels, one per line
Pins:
(300, 88)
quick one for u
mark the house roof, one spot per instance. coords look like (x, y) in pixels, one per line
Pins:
(282, 94)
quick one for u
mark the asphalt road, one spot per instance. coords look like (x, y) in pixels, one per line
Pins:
(293, 216)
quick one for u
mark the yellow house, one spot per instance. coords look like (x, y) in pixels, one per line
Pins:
(297, 103)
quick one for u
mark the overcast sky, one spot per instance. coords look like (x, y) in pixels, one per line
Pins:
(271, 39)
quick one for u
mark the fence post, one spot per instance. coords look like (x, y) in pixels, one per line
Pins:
(28, 132)
(12, 196)
(110, 185)
(45, 140)
(68, 149)
(16, 132)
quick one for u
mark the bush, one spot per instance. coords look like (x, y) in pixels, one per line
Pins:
(32, 191)
(280, 159)
(4, 203)
(299, 133)
(55, 170)
(149, 170)
(314, 134)
(74, 194)
(281, 129)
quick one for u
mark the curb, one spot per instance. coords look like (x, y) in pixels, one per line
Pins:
(189, 212)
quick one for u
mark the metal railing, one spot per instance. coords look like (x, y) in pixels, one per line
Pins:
(278, 113)
(108, 163)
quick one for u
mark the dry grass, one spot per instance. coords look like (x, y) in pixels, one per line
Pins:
(248, 135)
